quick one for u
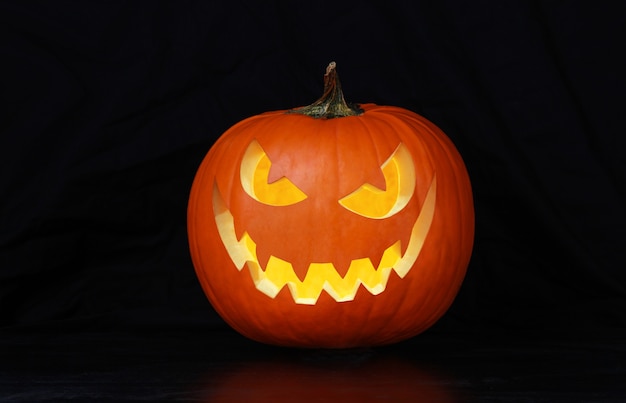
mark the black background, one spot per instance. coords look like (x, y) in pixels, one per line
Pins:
(107, 109)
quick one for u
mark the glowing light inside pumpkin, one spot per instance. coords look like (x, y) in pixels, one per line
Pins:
(254, 172)
(368, 200)
(322, 276)
(372, 202)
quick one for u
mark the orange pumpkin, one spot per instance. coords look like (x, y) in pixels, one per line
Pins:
(331, 225)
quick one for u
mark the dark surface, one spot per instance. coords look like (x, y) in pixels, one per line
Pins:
(220, 366)
(107, 108)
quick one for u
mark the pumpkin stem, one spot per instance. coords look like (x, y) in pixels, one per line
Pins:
(331, 104)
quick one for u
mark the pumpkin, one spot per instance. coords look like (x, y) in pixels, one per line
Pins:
(331, 225)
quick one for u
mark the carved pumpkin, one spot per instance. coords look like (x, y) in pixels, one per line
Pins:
(331, 225)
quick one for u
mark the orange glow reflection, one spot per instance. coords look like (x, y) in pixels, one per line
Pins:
(333, 376)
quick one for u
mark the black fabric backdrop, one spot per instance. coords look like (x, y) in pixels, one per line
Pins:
(108, 108)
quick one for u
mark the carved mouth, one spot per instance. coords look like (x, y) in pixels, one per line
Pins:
(322, 276)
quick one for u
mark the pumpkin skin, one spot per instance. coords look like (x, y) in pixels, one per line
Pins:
(311, 232)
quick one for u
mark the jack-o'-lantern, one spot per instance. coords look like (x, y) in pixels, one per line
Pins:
(331, 225)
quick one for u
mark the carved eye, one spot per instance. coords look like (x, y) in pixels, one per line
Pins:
(372, 202)
(254, 172)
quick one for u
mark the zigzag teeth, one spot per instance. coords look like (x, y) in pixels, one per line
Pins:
(323, 276)
(279, 273)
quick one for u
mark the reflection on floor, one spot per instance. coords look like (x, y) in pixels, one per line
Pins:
(219, 365)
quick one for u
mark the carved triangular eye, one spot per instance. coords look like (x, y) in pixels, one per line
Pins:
(254, 173)
(372, 202)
